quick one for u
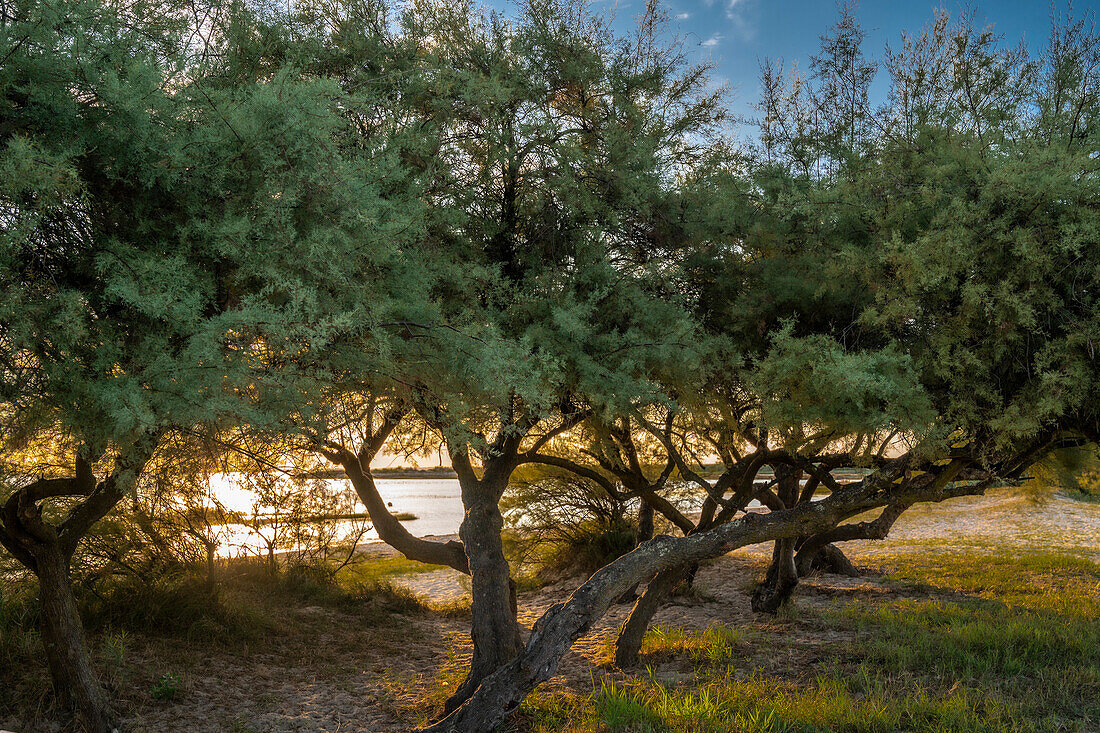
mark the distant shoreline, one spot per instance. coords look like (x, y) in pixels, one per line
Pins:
(338, 473)
(708, 471)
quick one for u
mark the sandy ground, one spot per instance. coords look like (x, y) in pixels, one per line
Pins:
(328, 670)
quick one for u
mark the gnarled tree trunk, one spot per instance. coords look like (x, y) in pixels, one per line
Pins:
(782, 576)
(564, 623)
(780, 581)
(47, 549)
(494, 630)
(74, 678)
(825, 558)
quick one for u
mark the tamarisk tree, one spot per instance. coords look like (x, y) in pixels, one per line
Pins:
(171, 215)
(547, 152)
(917, 287)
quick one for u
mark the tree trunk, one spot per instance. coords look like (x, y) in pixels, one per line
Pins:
(74, 680)
(494, 629)
(644, 533)
(828, 558)
(629, 642)
(780, 581)
(645, 523)
(782, 574)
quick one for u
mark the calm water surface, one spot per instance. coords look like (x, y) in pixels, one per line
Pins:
(436, 502)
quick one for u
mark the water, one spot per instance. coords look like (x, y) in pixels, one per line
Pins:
(436, 502)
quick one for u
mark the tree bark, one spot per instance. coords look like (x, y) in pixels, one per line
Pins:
(74, 679)
(877, 529)
(782, 576)
(46, 549)
(494, 630)
(829, 558)
(780, 581)
(629, 642)
(392, 532)
(645, 523)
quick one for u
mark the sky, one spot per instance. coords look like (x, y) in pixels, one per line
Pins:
(736, 35)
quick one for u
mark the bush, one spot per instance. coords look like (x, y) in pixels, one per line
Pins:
(179, 604)
(562, 524)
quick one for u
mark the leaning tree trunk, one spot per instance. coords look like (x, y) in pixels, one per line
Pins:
(74, 680)
(494, 629)
(389, 528)
(564, 623)
(629, 642)
(644, 533)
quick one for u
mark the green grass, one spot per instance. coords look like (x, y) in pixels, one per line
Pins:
(382, 568)
(718, 644)
(971, 640)
(758, 704)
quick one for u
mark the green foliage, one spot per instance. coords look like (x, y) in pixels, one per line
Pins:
(560, 524)
(181, 605)
(167, 687)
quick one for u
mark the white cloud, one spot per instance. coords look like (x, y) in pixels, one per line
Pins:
(712, 41)
(737, 12)
(683, 16)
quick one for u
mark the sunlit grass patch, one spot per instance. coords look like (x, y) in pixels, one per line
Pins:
(1024, 629)
(717, 644)
(759, 704)
(448, 676)
(1036, 581)
(551, 711)
(381, 568)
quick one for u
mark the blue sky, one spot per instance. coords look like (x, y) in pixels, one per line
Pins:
(737, 34)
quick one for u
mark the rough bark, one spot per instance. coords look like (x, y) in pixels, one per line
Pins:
(494, 629)
(74, 679)
(645, 523)
(877, 529)
(829, 559)
(644, 533)
(782, 575)
(392, 532)
(46, 549)
(780, 581)
(564, 623)
(629, 642)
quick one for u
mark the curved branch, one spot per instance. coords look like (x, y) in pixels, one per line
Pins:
(390, 530)
(876, 529)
